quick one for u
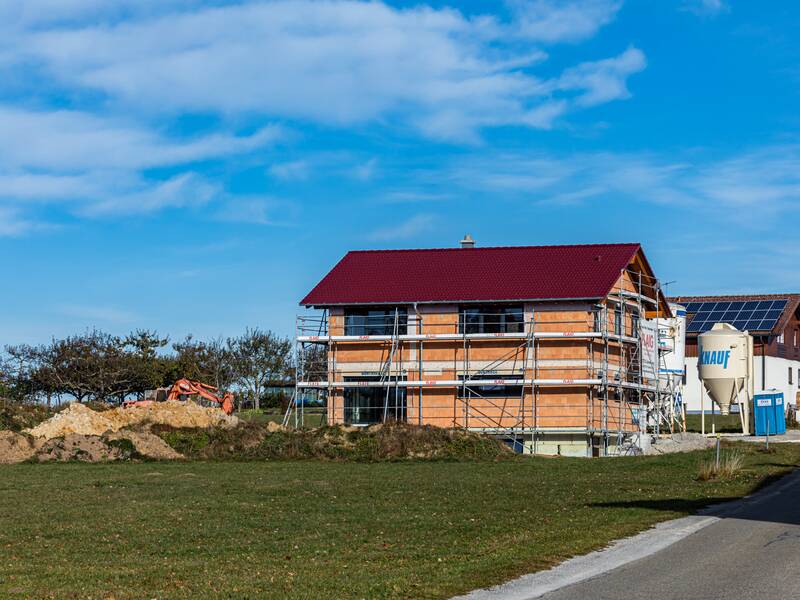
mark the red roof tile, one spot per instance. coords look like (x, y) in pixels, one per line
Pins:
(473, 274)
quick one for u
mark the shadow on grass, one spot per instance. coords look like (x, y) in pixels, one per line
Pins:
(766, 506)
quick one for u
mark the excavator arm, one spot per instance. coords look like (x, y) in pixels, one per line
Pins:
(186, 387)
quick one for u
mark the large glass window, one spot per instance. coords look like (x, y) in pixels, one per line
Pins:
(491, 319)
(368, 405)
(496, 390)
(375, 321)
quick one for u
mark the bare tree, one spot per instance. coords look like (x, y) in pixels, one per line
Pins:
(259, 358)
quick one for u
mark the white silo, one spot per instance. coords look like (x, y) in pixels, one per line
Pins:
(672, 341)
(725, 366)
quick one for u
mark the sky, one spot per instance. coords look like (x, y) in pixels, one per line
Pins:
(197, 166)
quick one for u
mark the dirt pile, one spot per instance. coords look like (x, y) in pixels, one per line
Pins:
(376, 443)
(81, 420)
(15, 447)
(146, 444)
(84, 448)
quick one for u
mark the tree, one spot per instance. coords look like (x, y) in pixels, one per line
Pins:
(258, 358)
(209, 362)
(147, 368)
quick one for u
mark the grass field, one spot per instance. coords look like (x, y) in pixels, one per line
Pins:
(331, 529)
(724, 423)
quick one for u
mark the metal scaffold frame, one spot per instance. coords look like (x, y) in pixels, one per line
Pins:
(631, 399)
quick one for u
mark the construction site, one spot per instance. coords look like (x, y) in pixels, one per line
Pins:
(559, 350)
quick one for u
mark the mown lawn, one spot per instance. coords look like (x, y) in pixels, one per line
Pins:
(331, 529)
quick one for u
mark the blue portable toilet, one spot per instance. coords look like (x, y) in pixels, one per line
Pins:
(770, 415)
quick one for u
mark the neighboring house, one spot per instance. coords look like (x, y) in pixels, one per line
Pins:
(774, 322)
(536, 344)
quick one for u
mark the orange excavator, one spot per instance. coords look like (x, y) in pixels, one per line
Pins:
(182, 390)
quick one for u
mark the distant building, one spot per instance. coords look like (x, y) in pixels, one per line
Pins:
(774, 322)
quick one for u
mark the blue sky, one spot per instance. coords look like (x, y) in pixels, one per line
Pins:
(193, 166)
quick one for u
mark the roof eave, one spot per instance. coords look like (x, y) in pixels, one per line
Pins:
(454, 301)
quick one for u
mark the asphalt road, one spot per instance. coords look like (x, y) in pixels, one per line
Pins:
(752, 552)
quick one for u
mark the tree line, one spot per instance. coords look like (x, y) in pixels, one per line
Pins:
(98, 366)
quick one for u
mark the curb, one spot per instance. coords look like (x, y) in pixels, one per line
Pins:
(623, 551)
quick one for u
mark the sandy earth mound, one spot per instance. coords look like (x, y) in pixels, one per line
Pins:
(147, 444)
(85, 448)
(79, 419)
(15, 447)
(75, 419)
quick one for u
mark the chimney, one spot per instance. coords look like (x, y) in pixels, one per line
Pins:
(468, 242)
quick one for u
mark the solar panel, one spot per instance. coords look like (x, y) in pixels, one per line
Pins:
(750, 315)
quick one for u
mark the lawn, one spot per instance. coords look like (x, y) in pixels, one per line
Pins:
(724, 423)
(310, 529)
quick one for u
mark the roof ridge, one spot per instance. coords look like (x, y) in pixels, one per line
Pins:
(454, 248)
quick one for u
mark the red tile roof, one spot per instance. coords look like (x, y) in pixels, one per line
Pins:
(473, 274)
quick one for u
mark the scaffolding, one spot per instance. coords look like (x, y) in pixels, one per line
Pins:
(527, 378)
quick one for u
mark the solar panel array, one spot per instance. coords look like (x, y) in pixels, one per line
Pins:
(751, 315)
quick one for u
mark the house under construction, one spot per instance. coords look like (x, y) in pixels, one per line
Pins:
(553, 348)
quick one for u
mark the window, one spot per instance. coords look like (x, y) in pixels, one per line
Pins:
(794, 338)
(495, 390)
(618, 322)
(491, 319)
(368, 405)
(375, 321)
(790, 375)
(780, 338)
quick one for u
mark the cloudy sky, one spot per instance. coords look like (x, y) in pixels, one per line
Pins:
(194, 166)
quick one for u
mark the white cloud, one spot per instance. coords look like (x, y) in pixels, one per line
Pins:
(766, 181)
(14, 223)
(412, 227)
(255, 211)
(181, 191)
(341, 62)
(295, 170)
(123, 75)
(571, 21)
(72, 140)
(604, 80)
(366, 170)
(705, 7)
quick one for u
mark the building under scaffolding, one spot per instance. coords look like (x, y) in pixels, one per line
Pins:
(553, 348)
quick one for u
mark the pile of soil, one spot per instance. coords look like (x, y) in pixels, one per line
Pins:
(146, 444)
(82, 420)
(395, 441)
(84, 448)
(15, 447)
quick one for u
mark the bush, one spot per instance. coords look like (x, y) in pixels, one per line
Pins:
(17, 417)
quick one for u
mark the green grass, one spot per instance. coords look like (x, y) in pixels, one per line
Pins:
(314, 416)
(309, 529)
(724, 423)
